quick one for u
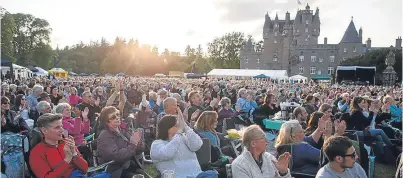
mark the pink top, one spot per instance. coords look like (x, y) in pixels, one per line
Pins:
(76, 128)
(74, 99)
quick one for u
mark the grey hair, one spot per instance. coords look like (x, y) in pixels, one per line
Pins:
(60, 108)
(13, 87)
(225, 101)
(177, 96)
(167, 100)
(41, 106)
(37, 88)
(242, 91)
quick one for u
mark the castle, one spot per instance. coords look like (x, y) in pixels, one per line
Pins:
(292, 45)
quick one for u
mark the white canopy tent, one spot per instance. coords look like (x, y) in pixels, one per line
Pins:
(19, 71)
(299, 78)
(247, 73)
(41, 72)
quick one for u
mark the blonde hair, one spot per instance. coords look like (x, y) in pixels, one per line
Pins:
(251, 133)
(206, 121)
(285, 136)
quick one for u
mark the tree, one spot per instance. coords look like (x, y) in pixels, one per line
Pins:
(224, 51)
(31, 37)
(377, 58)
(7, 33)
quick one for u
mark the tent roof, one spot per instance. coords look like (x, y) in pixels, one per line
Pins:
(355, 67)
(298, 77)
(275, 74)
(58, 70)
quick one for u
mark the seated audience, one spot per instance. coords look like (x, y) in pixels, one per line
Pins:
(75, 127)
(342, 156)
(116, 142)
(175, 148)
(255, 161)
(10, 121)
(305, 158)
(55, 156)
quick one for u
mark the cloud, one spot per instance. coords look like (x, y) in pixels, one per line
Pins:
(239, 11)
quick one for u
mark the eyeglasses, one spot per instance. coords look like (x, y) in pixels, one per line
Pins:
(115, 117)
(352, 155)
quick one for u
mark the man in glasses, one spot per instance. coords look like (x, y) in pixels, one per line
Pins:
(342, 155)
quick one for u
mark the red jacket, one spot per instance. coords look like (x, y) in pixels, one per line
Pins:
(47, 161)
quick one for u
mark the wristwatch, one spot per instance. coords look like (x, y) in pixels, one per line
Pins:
(283, 174)
(74, 155)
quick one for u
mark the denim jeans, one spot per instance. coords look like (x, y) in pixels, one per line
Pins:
(380, 138)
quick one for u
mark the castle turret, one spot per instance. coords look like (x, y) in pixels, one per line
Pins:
(360, 34)
(267, 26)
(398, 44)
(316, 17)
(267, 21)
(307, 7)
(368, 43)
(325, 40)
(287, 18)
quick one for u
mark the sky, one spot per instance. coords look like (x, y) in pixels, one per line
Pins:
(173, 24)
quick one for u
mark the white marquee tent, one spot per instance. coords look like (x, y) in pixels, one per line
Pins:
(247, 73)
(299, 78)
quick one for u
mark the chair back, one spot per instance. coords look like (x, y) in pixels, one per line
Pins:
(228, 170)
(229, 123)
(204, 153)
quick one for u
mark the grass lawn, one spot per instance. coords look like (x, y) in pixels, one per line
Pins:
(381, 170)
(384, 171)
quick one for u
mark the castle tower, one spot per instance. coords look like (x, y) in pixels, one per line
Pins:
(307, 26)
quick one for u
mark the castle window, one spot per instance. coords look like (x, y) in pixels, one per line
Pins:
(313, 58)
(331, 58)
(313, 70)
(345, 50)
(307, 22)
(275, 41)
(354, 50)
(320, 59)
(301, 58)
(306, 30)
(314, 29)
(319, 72)
(275, 59)
(301, 70)
(258, 60)
(246, 60)
(297, 30)
(330, 70)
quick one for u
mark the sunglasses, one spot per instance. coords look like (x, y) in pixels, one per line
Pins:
(352, 155)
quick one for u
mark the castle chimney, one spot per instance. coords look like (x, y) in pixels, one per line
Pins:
(325, 40)
(287, 16)
(360, 35)
(398, 43)
(369, 43)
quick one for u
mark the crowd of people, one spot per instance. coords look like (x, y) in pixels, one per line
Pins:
(81, 122)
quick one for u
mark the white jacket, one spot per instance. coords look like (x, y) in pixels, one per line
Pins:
(244, 166)
(178, 154)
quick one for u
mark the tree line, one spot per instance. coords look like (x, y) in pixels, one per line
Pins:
(25, 40)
